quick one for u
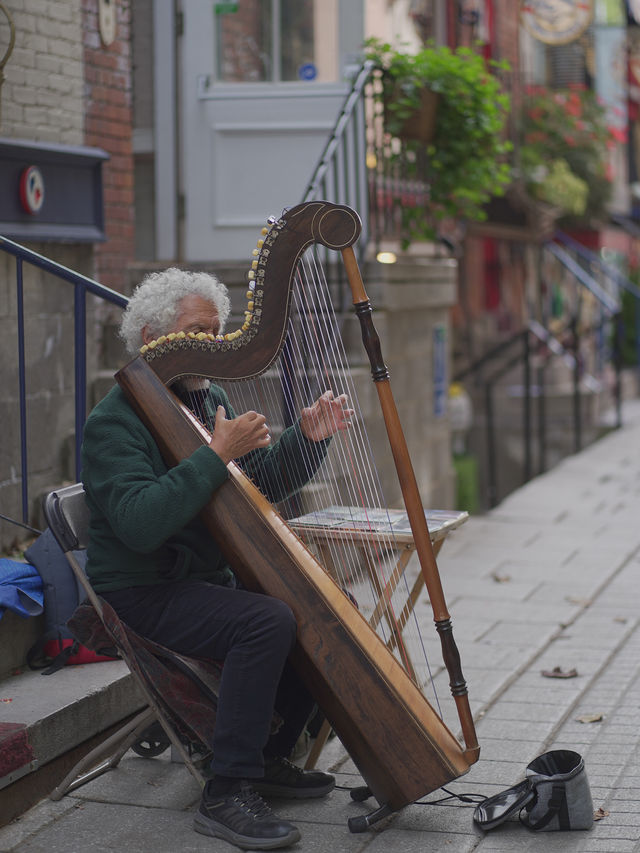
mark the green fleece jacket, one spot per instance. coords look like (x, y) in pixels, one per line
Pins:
(144, 525)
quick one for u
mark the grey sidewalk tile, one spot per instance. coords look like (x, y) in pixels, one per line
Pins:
(34, 821)
(505, 709)
(332, 810)
(535, 696)
(620, 805)
(103, 828)
(502, 773)
(489, 729)
(528, 633)
(518, 750)
(512, 836)
(436, 818)
(627, 795)
(399, 841)
(631, 819)
(606, 829)
(149, 782)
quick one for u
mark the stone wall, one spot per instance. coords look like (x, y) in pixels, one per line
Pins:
(63, 85)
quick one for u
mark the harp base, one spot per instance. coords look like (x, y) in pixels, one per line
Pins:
(363, 822)
(360, 794)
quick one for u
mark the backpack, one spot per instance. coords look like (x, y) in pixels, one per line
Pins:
(62, 593)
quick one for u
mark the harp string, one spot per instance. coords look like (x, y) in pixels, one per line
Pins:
(320, 360)
(354, 465)
(314, 361)
(364, 474)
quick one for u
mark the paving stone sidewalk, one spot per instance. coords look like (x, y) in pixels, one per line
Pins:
(549, 579)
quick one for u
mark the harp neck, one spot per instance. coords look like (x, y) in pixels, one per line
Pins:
(250, 350)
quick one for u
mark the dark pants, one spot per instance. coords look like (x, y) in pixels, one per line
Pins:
(253, 634)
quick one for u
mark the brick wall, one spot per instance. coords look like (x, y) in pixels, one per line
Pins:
(41, 98)
(109, 125)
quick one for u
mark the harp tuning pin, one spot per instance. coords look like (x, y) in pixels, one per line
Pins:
(251, 275)
(255, 252)
(264, 231)
(260, 243)
(180, 336)
(254, 265)
(162, 339)
(271, 220)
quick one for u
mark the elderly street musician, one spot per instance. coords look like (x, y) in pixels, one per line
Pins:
(155, 563)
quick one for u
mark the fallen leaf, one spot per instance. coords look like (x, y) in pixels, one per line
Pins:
(600, 813)
(498, 578)
(6, 700)
(583, 602)
(557, 672)
(590, 718)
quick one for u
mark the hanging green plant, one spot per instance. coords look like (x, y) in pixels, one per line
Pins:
(464, 164)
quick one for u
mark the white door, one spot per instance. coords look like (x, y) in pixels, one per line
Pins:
(262, 84)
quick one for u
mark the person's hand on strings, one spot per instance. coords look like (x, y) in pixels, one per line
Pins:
(327, 416)
(233, 438)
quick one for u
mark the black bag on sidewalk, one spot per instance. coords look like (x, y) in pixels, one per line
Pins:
(555, 795)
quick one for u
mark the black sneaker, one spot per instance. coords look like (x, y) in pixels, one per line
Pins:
(242, 817)
(284, 779)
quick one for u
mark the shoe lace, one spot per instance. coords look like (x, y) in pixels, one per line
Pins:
(251, 802)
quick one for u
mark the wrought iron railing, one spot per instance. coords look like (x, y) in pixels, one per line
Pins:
(582, 333)
(340, 175)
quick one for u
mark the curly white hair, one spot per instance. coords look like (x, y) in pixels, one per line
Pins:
(155, 303)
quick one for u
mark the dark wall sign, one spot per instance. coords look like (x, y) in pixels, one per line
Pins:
(51, 192)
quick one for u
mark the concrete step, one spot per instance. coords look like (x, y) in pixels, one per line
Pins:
(44, 718)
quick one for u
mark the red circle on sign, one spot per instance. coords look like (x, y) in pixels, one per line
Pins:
(31, 189)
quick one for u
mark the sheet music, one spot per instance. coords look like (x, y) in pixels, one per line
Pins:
(380, 521)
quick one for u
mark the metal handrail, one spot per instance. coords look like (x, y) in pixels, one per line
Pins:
(592, 258)
(340, 175)
(518, 350)
(82, 285)
(607, 302)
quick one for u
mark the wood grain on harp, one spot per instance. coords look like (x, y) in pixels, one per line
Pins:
(362, 673)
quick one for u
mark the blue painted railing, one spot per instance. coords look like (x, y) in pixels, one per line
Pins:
(82, 285)
(599, 267)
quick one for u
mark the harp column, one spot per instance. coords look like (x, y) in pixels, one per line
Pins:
(413, 502)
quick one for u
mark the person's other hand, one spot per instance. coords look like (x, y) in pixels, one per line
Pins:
(233, 438)
(325, 417)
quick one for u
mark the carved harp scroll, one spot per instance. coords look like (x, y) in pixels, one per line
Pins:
(397, 740)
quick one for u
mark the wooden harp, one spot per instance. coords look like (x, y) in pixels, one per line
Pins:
(393, 734)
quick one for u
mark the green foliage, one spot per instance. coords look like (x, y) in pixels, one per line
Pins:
(560, 187)
(465, 164)
(566, 125)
